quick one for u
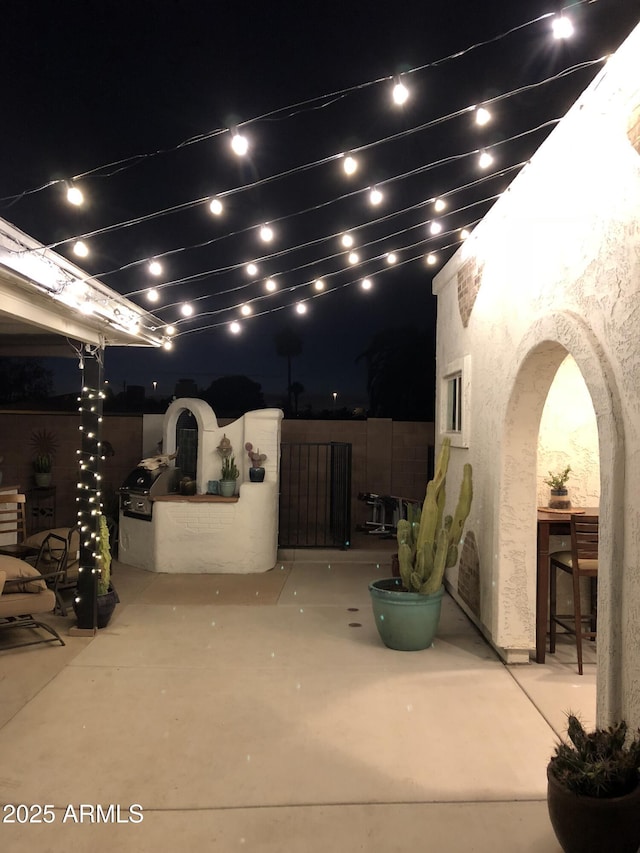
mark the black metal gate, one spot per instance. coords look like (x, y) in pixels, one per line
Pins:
(315, 495)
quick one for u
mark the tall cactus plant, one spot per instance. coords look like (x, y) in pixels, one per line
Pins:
(427, 548)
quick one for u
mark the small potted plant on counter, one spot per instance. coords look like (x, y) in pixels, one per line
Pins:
(558, 484)
(228, 476)
(256, 472)
(593, 793)
(44, 444)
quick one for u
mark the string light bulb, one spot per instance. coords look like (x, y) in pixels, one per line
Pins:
(432, 259)
(435, 227)
(75, 196)
(215, 206)
(400, 93)
(439, 205)
(152, 295)
(234, 327)
(170, 330)
(155, 268)
(353, 257)
(186, 310)
(366, 284)
(485, 160)
(167, 345)
(562, 27)
(347, 241)
(301, 308)
(239, 144)
(251, 269)
(318, 284)
(391, 258)
(266, 234)
(80, 249)
(245, 310)
(270, 285)
(464, 233)
(350, 165)
(483, 116)
(375, 196)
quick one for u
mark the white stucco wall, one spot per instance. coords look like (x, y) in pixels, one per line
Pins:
(558, 259)
(569, 436)
(186, 536)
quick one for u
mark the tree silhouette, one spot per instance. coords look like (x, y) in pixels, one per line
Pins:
(232, 396)
(401, 374)
(296, 389)
(288, 345)
(24, 379)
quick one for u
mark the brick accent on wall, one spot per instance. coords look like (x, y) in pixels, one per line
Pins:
(469, 280)
(469, 574)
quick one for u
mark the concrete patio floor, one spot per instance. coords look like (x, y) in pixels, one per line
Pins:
(262, 713)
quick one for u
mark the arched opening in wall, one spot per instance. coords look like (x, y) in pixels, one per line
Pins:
(568, 438)
(539, 357)
(187, 443)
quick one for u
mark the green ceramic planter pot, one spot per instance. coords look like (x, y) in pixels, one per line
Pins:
(227, 488)
(406, 621)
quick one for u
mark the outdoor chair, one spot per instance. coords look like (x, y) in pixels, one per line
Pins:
(13, 525)
(581, 561)
(61, 551)
(24, 595)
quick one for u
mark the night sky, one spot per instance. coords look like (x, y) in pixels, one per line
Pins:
(96, 83)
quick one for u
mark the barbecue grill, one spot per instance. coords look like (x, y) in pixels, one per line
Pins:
(141, 485)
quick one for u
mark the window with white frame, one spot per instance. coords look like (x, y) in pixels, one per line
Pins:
(454, 407)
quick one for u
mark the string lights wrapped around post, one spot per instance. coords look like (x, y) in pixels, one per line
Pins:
(88, 499)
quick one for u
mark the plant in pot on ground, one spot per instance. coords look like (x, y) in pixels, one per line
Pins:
(593, 790)
(256, 472)
(407, 609)
(228, 476)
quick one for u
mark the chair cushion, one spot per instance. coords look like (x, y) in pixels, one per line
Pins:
(25, 604)
(15, 568)
(36, 540)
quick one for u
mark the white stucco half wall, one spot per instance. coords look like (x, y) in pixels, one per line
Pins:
(555, 270)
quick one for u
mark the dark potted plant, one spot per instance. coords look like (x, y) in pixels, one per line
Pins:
(407, 608)
(256, 472)
(44, 445)
(107, 597)
(228, 477)
(558, 484)
(593, 793)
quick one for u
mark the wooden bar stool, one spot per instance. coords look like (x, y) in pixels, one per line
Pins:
(581, 561)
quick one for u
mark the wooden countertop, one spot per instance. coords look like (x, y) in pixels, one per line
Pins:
(197, 499)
